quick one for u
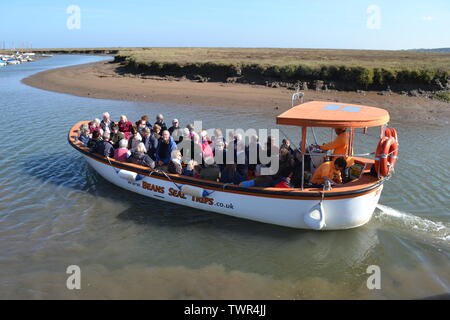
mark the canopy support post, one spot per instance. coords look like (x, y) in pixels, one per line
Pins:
(303, 149)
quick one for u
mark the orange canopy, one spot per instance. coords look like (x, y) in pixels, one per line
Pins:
(334, 115)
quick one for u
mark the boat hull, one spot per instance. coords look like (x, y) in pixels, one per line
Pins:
(341, 213)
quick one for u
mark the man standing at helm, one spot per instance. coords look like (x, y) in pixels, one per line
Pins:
(340, 145)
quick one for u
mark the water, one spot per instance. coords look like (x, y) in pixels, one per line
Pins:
(55, 211)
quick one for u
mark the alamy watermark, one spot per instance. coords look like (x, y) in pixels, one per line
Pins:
(374, 17)
(74, 280)
(374, 280)
(74, 20)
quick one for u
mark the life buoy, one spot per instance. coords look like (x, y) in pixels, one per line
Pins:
(378, 154)
(386, 154)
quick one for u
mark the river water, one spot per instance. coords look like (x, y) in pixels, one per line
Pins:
(55, 211)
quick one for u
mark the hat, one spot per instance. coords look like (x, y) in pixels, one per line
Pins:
(175, 120)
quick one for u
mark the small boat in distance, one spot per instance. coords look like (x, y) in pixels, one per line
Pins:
(343, 206)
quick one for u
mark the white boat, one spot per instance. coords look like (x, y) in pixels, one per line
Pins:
(12, 61)
(344, 206)
(2, 64)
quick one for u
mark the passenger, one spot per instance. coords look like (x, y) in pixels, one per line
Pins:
(285, 143)
(122, 153)
(157, 131)
(135, 139)
(125, 126)
(94, 125)
(95, 138)
(284, 180)
(160, 122)
(220, 154)
(174, 129)
(210, 171)
(85, 136)
(191, 129)
(165, 147)
(241, 173)
(150, 142)
(218, 136)
(197, 171)
(140, 157)
(340, 145)
(207, 152)
(196, 148)
(104, 147)
(106, 123)
(141, 125)
(252, 153)
(147, 123)
(228, 173)
(175, 163)
(329, 171)
(260, 181)
(189, 169)
(116, 135)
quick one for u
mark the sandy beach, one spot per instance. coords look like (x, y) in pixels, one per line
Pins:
(105, 80)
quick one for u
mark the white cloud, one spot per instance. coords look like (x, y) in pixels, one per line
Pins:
(427, 18)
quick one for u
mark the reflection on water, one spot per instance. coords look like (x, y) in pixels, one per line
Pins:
(56, 211)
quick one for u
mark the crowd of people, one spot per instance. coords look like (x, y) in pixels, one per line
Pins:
(183, 151)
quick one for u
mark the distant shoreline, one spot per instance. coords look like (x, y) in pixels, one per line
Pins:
(106, 80)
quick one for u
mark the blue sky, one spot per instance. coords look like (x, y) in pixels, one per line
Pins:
(346, 24)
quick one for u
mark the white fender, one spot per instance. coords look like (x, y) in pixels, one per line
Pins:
(315, 217)
(193, 191)
(127, 175)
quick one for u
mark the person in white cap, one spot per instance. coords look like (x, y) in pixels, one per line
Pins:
(175, 131)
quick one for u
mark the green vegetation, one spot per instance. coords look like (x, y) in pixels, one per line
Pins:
(444, 96)
(349, 68)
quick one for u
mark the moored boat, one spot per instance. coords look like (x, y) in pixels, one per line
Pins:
(342, 206)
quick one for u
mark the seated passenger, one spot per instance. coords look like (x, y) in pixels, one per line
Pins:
(104, 147)
(94, 125)
(329, 171)
(95, 138)
(134, 139)
(165, 147)
(147, 123)
(116, 135)
(122, 153)
(85, 136)
(140, 126)
(228, 173)
(140, 157)
(207, 152)
(160, 122)
(189, 169)
(150, 142)
(210, 171)
(284, 178)
(106, 123)
(174, 130)
(125, 126)
(157, 132)
(175, 163)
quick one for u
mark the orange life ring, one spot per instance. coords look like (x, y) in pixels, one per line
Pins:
(378, 154)
(391, 132)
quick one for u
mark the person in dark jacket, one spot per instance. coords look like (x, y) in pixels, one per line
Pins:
(104, 147)
(95, 138)
(150, 142)
(116, 135)
(140, 157)
(164, 150)
(160, 122)
(84, 136)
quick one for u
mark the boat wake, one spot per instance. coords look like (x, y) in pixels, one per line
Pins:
(425, 229)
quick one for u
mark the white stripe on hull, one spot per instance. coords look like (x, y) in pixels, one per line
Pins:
(339, 214)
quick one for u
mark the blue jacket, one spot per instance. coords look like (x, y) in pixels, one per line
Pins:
(164, 153)
(84, 140)
(151, 144)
